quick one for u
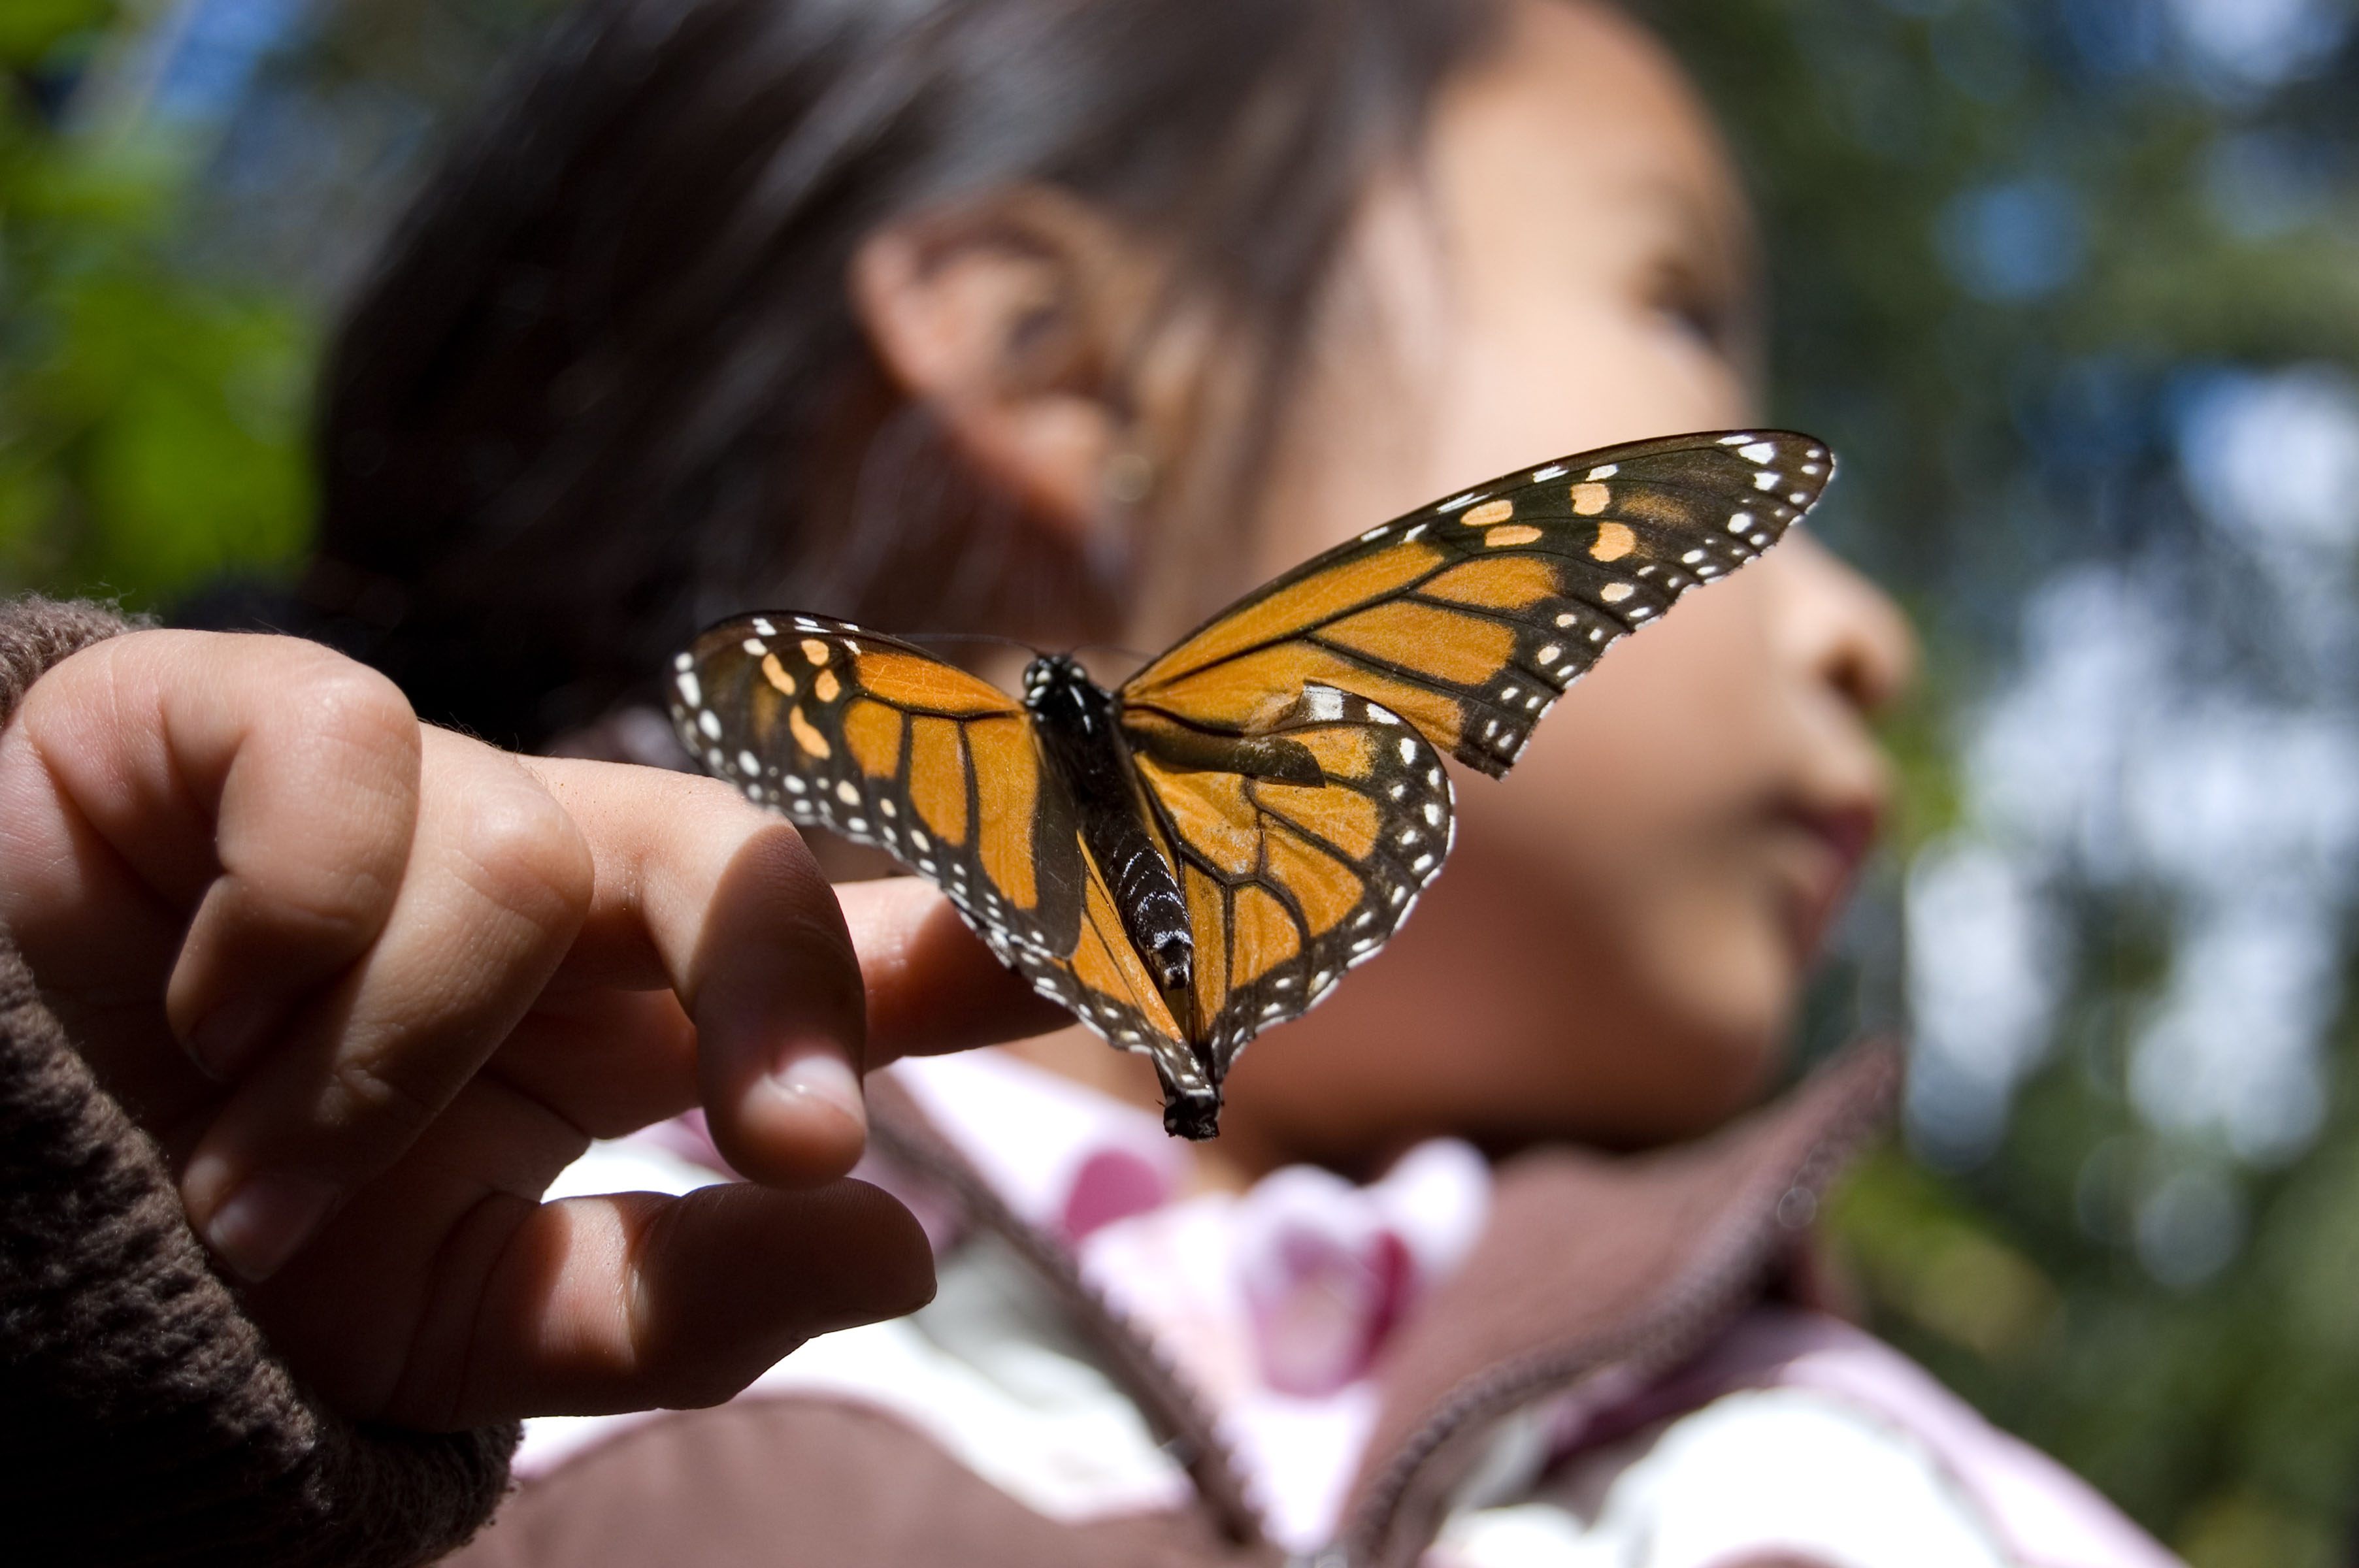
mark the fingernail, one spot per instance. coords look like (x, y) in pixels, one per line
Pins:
(223, 1039)
(824, 1078)
(267, 1220)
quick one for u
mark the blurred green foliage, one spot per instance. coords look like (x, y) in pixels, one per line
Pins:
(1992, 435)
(151, 416)
(2004, 414)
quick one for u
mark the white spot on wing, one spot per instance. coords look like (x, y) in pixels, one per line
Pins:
(1757, 452)
(691, 692)
(1605, 471)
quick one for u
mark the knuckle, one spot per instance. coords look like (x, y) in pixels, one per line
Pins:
(337, 902)
(533, 857)
(376, 1108)
(718, 805)
(341, 701)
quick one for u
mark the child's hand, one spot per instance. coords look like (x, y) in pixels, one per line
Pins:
(372, 985)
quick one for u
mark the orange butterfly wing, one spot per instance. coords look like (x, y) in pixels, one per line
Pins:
(1469, 618)
(1291, 878)
(1466, 619)
(885, 744)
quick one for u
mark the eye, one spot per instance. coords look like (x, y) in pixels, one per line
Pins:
(1696, 307)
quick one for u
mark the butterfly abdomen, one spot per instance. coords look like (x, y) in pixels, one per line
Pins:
(1075, 716)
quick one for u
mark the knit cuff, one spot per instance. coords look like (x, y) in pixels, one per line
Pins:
(147, 1420)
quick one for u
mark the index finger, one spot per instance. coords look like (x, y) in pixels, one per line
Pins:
(932, 986)
(699, 891)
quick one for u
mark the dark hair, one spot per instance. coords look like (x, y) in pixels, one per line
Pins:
(606, 384)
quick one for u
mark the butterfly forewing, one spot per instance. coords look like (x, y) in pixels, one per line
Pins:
(1469, 617)
(1292, 877)
(885, 744)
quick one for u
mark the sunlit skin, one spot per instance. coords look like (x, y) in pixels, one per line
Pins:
(1621, 932)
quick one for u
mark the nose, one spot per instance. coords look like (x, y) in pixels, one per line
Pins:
(1840, 627)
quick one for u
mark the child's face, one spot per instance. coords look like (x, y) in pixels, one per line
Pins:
(1620, 935)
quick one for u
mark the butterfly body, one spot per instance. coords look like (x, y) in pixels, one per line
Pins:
(1202, 852)
(1081, 738)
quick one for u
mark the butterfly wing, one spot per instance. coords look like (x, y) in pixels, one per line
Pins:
(885, 744)
(1469, 618)
(1466, 619)
(1293, 874)
(882, 742)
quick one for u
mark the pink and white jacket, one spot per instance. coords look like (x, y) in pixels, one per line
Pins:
(1574, 1360)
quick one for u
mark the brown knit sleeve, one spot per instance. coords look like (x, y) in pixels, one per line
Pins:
(145, 1420)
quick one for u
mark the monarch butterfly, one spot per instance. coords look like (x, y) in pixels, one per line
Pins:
(1202, 852)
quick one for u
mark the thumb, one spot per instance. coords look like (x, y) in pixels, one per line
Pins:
(635, 1300)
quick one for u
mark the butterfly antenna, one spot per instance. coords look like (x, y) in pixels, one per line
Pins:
(990, 637)
(1131, 654)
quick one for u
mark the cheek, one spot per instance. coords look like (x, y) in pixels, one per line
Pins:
(1637, 811)
(1604, 956)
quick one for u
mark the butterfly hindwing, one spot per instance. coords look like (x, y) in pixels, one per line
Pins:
(885, 744)
(1298, 859)
(1469, 618)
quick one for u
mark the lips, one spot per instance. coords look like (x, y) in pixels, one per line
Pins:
(1828, 845)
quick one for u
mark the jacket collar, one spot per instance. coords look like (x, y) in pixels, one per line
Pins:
(1599, 1273)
